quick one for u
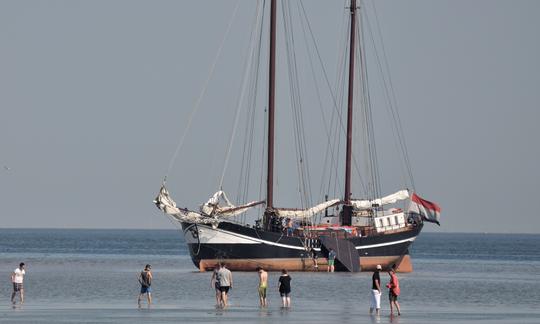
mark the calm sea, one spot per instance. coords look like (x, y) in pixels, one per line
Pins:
(89, 276)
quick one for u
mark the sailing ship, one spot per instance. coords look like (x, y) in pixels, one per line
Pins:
(363, 232)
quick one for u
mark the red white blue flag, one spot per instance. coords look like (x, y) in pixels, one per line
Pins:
(428, 210)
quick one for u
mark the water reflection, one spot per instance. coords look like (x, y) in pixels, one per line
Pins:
(264, 312)
(394, 319)
(375, 319)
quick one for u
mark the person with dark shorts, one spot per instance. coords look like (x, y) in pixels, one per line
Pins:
(285, 289)
(17, 278)
(393, 290)
(224, 276)
(214, 283)
(145, 279)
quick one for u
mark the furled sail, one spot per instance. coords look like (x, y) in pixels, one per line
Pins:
(212, 207)
(390, 199)
(306, 213)
(211, 212)
(165, 203)
(189, 216)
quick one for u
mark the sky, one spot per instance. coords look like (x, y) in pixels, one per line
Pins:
(95, 97)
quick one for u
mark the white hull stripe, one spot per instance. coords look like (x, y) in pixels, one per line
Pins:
(384, 244)
(260, 241)
(253, 240)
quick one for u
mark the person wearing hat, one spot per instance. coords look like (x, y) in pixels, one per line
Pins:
(145, 279)
(376, 291)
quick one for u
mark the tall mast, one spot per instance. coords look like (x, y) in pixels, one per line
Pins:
(346, 218)
(271, 97)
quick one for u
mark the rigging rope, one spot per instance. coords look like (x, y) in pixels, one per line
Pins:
(242, 94)
(299, 134)
(336, 103)
(341, 76)
(244, 180)
(306, 27)
(203, 92)
(392, 100)
(370, 133)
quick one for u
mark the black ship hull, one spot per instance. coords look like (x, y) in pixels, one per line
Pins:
(246, 248)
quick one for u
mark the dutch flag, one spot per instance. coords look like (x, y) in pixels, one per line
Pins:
(429, 211)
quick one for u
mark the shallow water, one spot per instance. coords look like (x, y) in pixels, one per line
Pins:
(89, 276)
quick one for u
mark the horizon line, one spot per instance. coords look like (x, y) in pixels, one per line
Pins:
(176, 229)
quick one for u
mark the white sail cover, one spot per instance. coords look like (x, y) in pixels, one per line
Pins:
(165, 203)
(212, 207)
(193, 217)
(211, 211)
(306, 213)
(390, 199)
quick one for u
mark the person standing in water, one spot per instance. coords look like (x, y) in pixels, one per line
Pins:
(145, 279)
(331, 260)
(314, 258)
(17, 278)
(214, 283)
(376, 291)
(224, 276)
(393, 290)
(285, 288)
(263, 285)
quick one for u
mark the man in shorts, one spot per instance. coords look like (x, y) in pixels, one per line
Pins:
(376, 291)
(17, 278)
(224, 276)
(263, 285)
(331, 260)
(145, 279)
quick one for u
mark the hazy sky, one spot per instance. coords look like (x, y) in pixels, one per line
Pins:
(94, 97)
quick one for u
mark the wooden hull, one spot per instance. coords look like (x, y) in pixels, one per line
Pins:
(294, 264)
